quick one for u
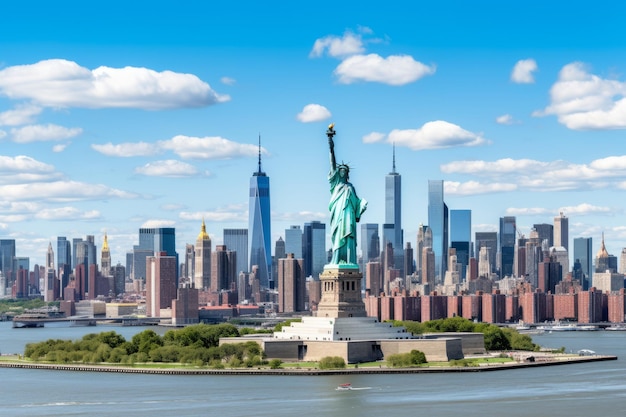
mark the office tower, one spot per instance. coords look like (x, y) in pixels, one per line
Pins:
(159, 239)
(314, 248)
(189, 265)
(91, 250)
(279, 253)
(409, 268)
(50, 257)
(293, 241)
(49, 276)
(105, 258)
(534, 255)
(7, 253)
(64, 252)
(236, 240)
(622, 262)
(507, 245)
(223, 269)
(549, 274)
(561, 231)
(291, 284)
(545, 232)
(484, 263)
(279, 248)
(370, 242)
(161, 271)
(461, 237)
(259, 246)
(438, 223)
(129, 264)
(373, 281)
(490, 241)
(202, 261)
(119, 279)
(428, 267)
(424, 240)
(583, 253)
(392, 229)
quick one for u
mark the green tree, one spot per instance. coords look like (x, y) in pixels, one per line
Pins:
(332, 362)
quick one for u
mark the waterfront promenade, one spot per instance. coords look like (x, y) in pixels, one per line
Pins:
(539, 360)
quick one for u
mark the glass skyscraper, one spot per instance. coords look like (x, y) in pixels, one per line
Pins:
(438, 223)
(7, 253)
(314, 248)
(64, 252)
(293, 241)
(507, 245)
(151, 242)
(461, 237)
(259, 228)
(583, 253)
(392, 229)
(236, 240)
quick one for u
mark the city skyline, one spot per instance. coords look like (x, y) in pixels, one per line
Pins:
(148, 119)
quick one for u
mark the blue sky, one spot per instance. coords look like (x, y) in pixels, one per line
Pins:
(115, 116)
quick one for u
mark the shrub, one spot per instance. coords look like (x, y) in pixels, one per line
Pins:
(332, 362)
(276, 364)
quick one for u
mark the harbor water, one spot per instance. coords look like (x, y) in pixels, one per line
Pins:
(588, 389)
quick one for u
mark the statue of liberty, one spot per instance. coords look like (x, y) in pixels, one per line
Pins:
(345, 209)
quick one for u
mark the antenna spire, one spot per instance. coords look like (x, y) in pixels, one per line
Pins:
(260, 153)
(393, 170)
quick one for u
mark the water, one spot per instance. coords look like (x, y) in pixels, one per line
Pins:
(592, 389)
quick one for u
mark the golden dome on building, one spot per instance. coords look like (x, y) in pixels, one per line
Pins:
(105, 245)
(203, 234)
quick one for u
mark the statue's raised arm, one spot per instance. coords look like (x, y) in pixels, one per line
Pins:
(345, 209)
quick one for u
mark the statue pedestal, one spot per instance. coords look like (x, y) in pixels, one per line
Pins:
(341, 292)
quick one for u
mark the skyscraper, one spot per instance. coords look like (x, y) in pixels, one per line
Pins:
(236, 240)
(583, 253)
(370, 242)
(151, 242)
(293, 241)
(490, 241)
(259, 246)
(561, 231)
(160, 283)
(461, 237)
(202, 261)
(223, 269)
(64, 252)
(291, 284)
(438, 223)
(314, 248)
(7, 253)
(105, 258)
(393, 214)
(545, 231)
(507, 245)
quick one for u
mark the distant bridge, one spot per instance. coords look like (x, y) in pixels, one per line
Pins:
(35, 320)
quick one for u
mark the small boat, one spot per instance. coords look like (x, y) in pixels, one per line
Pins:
(343, 387)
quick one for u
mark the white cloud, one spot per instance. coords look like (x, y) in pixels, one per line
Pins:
(66, 213)
(432, 135)
(60, 191)
(501, 166)
(169, 168)
(474, 187)
(60, 83)
(216, 216)
(59, 147)
(335, 46)
(586, 208)
(22, 163)
(393, 70)
(228, 81)
(172, 207)
(523, 71)
(374, 137)
(40, 133)
(124, 150)
(21, 115)
(505, 119)
(149, 224)
(528, 211)
(313, 113)
(581, 100)
(214, 147)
